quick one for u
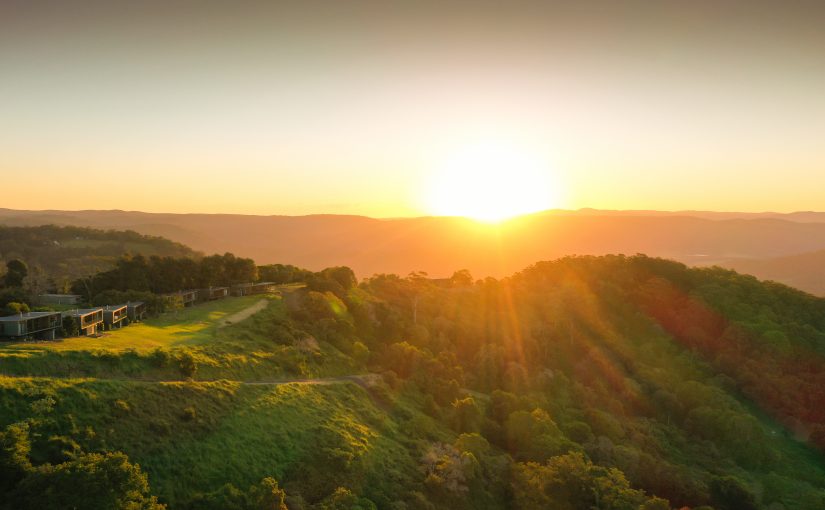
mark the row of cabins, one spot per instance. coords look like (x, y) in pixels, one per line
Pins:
(44, 325)
(190, 297)
(187, 297)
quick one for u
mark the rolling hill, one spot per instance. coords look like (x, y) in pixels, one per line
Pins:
(584, 382)
(804, 271)
(58, 254)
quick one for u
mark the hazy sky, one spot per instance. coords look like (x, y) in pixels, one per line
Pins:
(350, 107)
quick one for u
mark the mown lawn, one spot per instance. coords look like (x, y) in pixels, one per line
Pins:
(191, 326)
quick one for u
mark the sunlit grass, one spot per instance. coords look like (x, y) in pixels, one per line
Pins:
(195, 325)
(269, 430)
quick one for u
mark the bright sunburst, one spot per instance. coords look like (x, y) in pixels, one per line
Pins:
(491, 182)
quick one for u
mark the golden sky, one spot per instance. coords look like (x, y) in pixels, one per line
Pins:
(357, 107)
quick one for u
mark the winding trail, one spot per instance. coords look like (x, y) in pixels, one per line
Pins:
(359, 379)
(243, 314)
(365, 381)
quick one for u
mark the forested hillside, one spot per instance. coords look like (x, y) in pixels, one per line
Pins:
(587, 382)
(57, 255)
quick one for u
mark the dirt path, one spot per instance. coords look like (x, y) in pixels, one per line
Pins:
(243, 314)
(363, 380)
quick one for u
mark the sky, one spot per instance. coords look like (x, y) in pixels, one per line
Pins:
(357, 107)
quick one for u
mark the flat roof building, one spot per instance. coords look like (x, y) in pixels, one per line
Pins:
(88, 320)
(213, 293)
(136, 310)
(263, 288)
(242, 289)
(187, 297)
(40, 325)
(246, 289)
(115, 316)
(59, 299)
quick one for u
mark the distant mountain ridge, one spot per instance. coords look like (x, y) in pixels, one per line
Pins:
(804, 271)
(441, 245)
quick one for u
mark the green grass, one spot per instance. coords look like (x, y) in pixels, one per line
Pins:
(255, 348)
(313, 438)
(195, 325)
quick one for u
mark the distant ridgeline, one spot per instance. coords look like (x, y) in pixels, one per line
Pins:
(55, 255)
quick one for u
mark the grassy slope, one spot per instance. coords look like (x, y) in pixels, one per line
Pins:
(315, 437)
(239, 433)
(195, 325)
(194, 437)
(245, 351)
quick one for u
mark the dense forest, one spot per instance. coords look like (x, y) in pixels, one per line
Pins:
(139, 278)
(168, 274)
(582, 383)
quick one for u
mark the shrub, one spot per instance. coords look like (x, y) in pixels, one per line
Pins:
(69, 327)
(160, 357)
(121, 406)
(14, 307)
(187, 365)
(189, 414)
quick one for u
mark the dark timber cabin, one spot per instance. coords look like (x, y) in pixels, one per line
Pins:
(213, 293)
(40, 325)
(187, 297)
(242, 289)
(263, 288)
(59, 299)
(136, 310)
(247, 289)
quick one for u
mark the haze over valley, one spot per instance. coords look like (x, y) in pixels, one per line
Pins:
(767, 245)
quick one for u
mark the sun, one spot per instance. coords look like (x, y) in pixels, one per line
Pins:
(491, 182)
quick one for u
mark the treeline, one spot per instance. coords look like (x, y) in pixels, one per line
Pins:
(138, 278)
(168, 274)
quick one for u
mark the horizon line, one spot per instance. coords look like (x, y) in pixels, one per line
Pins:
(582, 210)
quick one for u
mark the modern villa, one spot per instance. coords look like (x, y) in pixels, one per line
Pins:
(136, 310)
(59, 299)
(88, 320)
(187, 297)
(115, 316)
(241, 289)
(40, 325)
(263, 288)
(213, 293)
(246, 289)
